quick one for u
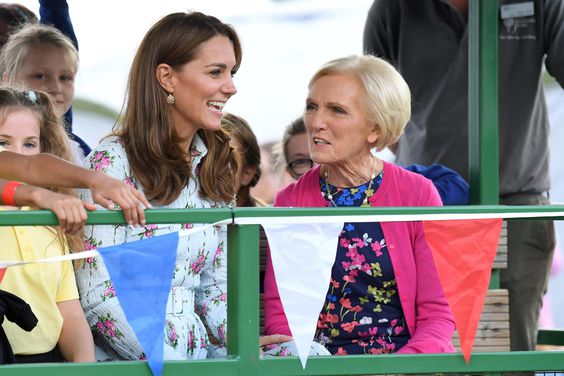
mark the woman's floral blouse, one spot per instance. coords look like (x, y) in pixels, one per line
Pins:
(362, 313)
(200, 274)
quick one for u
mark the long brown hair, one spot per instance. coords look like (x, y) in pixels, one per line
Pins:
(52, 136)
(238, 128)
(152, 145)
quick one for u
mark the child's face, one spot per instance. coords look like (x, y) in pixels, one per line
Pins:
(50, 69)
(20, 132)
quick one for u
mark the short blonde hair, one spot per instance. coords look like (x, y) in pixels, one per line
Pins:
(23, 40)
(388, 98)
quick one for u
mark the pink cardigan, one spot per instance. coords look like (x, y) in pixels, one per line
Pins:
(426, 310)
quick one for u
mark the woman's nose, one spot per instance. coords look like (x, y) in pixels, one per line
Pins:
(229, 87)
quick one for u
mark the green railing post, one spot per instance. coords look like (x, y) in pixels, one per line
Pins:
(483, 101)
(483, 106)
(243, 293)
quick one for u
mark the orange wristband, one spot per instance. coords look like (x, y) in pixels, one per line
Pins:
(9, 191)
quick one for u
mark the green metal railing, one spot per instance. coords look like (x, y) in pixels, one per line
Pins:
(243, 258)
(243, 307)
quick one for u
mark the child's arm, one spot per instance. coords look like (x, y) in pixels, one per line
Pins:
(75, 342)
(49, 171)
(69, 210)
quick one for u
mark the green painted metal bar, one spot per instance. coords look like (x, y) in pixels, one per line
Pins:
(554, 337)
(334, 365)
(483, 101)
(104, 217)
(494, 279)
(329, 212)
(44, 217)
(226, 367)
(417, 364)
(243, 293)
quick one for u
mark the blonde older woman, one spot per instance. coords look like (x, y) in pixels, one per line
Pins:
(384, 295)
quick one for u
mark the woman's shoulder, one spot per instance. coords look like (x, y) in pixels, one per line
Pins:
(414, 189)
(107, 155)
(404, 176)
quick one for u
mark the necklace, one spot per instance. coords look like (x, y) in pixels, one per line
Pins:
(368, 192)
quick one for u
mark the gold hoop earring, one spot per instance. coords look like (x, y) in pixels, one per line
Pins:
(170, 98)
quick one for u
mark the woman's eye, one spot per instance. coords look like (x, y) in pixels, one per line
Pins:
(3, 143)
(30, 145)
(215, 72)
(67, 78)
(310, 107)
(339, 110)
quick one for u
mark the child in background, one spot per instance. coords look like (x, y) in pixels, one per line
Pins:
(28, 126)
(40, 57)
(244, 141)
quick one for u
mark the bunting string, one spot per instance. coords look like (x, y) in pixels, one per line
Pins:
(314, 219)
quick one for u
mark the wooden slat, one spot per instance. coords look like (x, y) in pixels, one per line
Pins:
(500, 261)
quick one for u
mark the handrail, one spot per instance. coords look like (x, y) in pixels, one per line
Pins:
(45, 217)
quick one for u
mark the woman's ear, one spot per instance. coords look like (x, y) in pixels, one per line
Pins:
(374, 135)
(165, 77)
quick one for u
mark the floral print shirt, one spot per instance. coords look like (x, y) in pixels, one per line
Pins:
(362, 313)
(200, 274)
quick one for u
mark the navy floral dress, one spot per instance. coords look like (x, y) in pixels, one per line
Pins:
(362, 313)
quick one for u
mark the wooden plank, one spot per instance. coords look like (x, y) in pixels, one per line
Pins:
(485, 342)
(485, 334)
(497, 292)
(500, 261)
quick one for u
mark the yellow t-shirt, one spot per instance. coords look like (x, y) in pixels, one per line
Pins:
(40, 285)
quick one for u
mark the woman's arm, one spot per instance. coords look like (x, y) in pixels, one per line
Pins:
(434, 321)
(75, 340)
(275, 321)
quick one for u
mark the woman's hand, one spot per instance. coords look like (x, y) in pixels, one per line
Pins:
(109, 192)
(272, 339)
(70, 211)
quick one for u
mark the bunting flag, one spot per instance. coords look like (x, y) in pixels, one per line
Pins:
(464, 251)
(141, 273)
(310, 248)
(2, 272)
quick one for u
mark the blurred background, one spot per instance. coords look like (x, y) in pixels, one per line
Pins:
(284, 42)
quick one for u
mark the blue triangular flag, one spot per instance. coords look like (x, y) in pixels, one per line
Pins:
(141, 273)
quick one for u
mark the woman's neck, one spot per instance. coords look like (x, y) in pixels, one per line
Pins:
(352, 175)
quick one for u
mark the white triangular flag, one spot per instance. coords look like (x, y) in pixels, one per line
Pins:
(302, 258)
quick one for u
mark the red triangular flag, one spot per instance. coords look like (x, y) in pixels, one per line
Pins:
(2, 272)
(464, 251)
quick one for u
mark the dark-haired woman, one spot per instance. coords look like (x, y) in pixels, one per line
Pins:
(170, 145)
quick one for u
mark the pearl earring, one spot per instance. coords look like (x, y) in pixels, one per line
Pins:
(170, 98)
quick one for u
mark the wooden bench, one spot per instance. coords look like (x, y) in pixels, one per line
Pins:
(493, 330)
